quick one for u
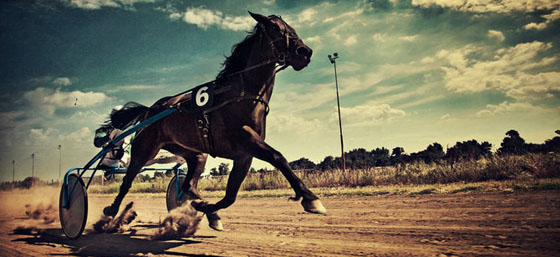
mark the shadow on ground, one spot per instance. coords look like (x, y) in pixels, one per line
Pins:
(92, 244)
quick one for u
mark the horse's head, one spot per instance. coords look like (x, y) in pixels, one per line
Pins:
(286, 45)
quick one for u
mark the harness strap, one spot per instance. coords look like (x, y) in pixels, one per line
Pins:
(239, 99)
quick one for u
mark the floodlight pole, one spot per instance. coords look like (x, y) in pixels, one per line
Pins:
(13, 171)
(333, 61)
(59, 161)
(32, 167)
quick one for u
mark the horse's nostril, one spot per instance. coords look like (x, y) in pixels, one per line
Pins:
(304, 51)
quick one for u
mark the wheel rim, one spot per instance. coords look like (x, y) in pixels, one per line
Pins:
(171, 196)
(73, 219)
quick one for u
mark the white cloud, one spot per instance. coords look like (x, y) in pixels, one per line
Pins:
(269, 2)
(205, 18)
(496, 34)
(535, 26)
(383, 38)
(408, 38)
(62, 81)
(133, 88)
(314, 39)
(555, 15)
(81, 135)
(366, 115)
(291, 123)
(307, 16)
(537, 86)
(421, 100)
(445, 116)
(507, 107)
(9, 119)
(511, 70)
(379, 37)
(98, 4)
(349, 22)
(345, 16)
(484, 6)
(38, 136)
(351, 40)
(51, 98)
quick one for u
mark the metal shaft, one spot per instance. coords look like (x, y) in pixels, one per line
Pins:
(59, 161)
(32, 167)
(339, 118)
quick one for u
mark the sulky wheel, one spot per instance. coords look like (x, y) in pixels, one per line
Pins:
(171, 196)
(74, 216)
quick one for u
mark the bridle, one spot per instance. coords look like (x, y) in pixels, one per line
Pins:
(282, 58)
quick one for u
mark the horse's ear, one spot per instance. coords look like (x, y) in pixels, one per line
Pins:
(259, 18)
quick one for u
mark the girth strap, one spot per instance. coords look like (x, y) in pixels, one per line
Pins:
(203, 123)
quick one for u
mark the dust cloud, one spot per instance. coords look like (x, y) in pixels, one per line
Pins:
(47, 213)
(180, 222)
(108, 224)
(37, 203)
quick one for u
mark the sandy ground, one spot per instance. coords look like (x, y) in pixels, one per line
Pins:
(465, 224)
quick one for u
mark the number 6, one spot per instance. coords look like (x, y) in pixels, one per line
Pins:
(202, 97)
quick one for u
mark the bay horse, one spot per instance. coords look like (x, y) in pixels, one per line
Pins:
(234, 128)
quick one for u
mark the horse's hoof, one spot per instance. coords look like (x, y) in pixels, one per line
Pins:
(215, 222)
(110, 211)
(314, 206)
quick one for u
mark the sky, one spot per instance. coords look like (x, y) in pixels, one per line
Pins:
(410, 72)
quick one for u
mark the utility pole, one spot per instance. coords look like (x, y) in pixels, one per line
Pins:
(32, 167)
(59, 161)
(13, 171)
(333, 61)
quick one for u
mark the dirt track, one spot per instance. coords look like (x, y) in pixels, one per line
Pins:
(481, 224)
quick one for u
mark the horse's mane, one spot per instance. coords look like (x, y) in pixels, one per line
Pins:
(239, 53)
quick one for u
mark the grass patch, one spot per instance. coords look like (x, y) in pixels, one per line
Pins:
(498, 173)
(466, 189)
(504, 186)
(425, 191)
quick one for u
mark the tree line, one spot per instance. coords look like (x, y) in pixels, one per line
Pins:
(512, 144)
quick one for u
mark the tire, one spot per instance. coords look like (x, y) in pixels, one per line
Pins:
(171, 196)
(73, 219)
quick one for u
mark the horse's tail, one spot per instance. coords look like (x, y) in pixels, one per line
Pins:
(130, 114)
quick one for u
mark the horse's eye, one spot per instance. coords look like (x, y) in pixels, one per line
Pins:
(275, 27)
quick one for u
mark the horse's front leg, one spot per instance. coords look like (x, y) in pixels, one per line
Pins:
(140, 155)
(261, 150)
(238, 173)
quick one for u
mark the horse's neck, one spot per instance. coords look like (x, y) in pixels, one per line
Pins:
(259, 81)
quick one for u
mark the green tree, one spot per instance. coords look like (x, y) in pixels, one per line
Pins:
(433, 153)
(553, 145)
(302, 163)
(327, 164)
(223, 169)
(468, 150)
(513, 143)
(381, 156)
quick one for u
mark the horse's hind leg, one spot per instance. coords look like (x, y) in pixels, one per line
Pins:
(141, 153)
(261, 150)
(195, 163)
(236, 177)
